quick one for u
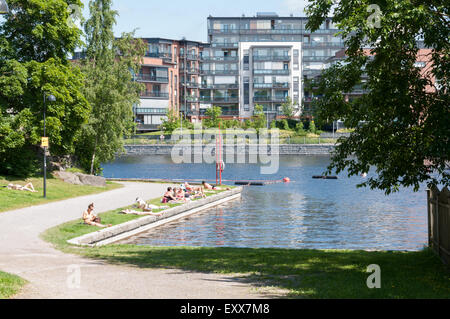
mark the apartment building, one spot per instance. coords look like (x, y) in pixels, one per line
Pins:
(279, 52)
(247, 61)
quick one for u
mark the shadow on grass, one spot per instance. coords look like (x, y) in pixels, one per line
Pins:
(305, 273)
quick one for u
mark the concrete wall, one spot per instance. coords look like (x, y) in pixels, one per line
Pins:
(283, 149)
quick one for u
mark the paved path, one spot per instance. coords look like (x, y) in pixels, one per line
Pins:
(49, 271)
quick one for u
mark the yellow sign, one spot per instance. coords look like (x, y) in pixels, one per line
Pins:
(44, 142)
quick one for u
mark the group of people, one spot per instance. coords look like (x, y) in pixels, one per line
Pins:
(185, 192)
(182, 194)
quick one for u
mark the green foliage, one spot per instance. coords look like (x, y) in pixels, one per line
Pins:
(402, 125)
(312, 127)
(259, 119)
(108, 86)
(299, 129)
(213, 119)
(287, 108)
(34, 42)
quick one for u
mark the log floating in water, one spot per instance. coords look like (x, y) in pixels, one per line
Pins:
(324, 177)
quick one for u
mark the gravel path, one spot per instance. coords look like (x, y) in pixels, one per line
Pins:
(52, 274)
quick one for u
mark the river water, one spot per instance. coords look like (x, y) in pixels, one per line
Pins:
(306, 213)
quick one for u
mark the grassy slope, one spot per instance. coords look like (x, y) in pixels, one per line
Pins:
(10, 285)
(56, 190)
(306, 273)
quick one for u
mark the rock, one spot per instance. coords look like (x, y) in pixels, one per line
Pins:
(67, 177)
(91, 180)
(80, 179)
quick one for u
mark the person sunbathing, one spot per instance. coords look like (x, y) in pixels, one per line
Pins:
(210, 187)
(169, 196)
(195, 191)
(28, 187)
(180, 195)
(141, 204)
(91, 219)
(135, 212)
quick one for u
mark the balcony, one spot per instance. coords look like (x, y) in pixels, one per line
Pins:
(190, 56)
(280, 85)
(272, 31)
(270, 99)
(160, 55)
(309, 58)
(219, 72)
(190, 70)
(220, 58)
(271, 58)
(148, 110)
(275, 72)
(194, 85)
(219, 99)
(233, 86)
(307, 45)
(225, 45)
(230, 113)
(150, 78)
(191, 99)
(155, 95)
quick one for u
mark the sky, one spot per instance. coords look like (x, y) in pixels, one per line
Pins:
(174, 19)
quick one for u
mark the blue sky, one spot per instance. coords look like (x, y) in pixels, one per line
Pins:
(174, 19)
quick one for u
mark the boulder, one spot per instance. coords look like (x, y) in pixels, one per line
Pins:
(80, 179)
(67, 177)
(91, 180)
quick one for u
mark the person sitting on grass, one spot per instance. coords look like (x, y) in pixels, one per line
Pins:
(168, 196)
(179, 195)
(210, 187)
(141, 204)
(28, 187)
(91, 219)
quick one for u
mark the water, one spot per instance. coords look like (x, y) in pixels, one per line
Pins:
(306, 213)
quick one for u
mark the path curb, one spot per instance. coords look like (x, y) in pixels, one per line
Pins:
(130, 228)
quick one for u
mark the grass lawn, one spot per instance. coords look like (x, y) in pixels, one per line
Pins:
(10, 285)
(305, 273)
(56, 190)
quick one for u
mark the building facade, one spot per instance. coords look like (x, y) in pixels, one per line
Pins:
(247, 61)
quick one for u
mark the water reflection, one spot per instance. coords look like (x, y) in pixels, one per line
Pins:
(306, 213)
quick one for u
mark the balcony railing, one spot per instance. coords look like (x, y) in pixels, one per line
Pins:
(190, 56)
(230, 113)
(225, 45)
(271, 58)
(150, 78)
(150, 94)
(276, 72)
(307, 45)
(270, 99)
(309, 58)
(219, 58)
(219, 72)
(280, 85)
(161, 55)
(217, 99)
(272, 31)
(191, 70)
(233, 86)
(149, 110)
(191, 84)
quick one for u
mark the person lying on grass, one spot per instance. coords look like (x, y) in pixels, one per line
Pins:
(210, 187)
(28, 187)
(91, 219)
(141, 204)
(135, 212)
(194, 191)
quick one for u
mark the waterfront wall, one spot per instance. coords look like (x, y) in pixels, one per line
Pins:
(282, 149)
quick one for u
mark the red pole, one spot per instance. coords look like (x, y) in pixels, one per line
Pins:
(220, 157)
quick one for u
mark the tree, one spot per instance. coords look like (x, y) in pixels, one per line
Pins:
(34, 42)
(287, 108)
(108, 87)
(402, 126)
(214, 114)
(259, 120)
